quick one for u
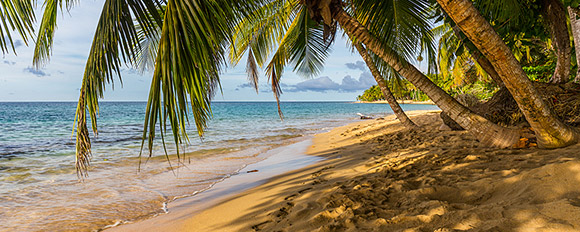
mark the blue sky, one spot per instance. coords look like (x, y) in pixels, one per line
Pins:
(344, 76)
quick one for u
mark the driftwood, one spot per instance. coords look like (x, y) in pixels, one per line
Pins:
(362, 116)
(564, 99)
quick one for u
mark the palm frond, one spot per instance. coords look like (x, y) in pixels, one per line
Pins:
(258, 33)
(15, 16)
(400, 24)
(114, 43)
(308, 48)
(262, 30)
(189, 58)
(149, 36)
(46, 31)
(252, 70)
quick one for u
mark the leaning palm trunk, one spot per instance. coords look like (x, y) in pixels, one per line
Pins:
(555, 15)
(549, 130)
(485, 131)
(481, 60)
(575, 24)
(399, 113)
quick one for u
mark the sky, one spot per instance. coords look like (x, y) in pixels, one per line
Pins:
(344, 76)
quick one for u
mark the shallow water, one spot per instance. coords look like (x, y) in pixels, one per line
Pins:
(39, 190)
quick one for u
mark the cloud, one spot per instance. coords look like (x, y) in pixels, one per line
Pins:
(321, 84)
(365, 81)
(36, 72)
(245, 86)
(359, 65)
(263, 87)
(324, 84)
(18, 43)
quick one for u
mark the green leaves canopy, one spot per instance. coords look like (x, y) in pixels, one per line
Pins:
(188, 40)
(183, 40)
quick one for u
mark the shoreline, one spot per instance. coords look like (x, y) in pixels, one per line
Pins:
(280, 160)
(222, 191)
(379, 176)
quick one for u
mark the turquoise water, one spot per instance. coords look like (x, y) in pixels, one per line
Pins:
(39, 190)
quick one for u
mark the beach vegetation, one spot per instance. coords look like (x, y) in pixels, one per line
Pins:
(384, 87)
(550, 131)
(371, 94)
(393, 33)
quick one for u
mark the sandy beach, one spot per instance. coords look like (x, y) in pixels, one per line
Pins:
(378, 176)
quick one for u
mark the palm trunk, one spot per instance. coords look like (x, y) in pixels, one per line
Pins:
(575, 24)
(481, 60)
(487, 132)
(385, 89)
(555, 14)
(549, 130)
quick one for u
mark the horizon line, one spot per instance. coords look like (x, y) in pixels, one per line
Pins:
(220, 101)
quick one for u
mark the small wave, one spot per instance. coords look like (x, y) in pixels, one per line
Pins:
(131, 138)
(10, 154)
(117, 223)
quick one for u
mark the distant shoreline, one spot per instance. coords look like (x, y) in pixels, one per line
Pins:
(428, 102)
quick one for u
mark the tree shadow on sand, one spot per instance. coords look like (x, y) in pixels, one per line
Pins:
(394, 179)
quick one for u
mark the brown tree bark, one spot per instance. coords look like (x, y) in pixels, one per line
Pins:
(550, 131)
(575, 25)
(481, 60)
(399, 113)
(485, 131)
(555, 14)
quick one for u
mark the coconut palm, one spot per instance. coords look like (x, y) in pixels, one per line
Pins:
(532, 18)
(575, 26)
(284, 21)
(487, 132)
(400, 24)
(190, 40)
(387, 94)
(454, 54)
(555, 15)
(550, 131)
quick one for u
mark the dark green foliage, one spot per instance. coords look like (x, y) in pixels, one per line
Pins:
(571, 3)
(540, 73)
(372, 94)
(481, 90)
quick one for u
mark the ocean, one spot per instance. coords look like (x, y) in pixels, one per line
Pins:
(39, 190)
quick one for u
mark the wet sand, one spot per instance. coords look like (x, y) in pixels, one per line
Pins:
(378, 176)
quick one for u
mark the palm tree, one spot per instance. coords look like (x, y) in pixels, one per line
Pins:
(555, 14)
(284, 21)
(190, 38)
(549, 130)
(575, 25)
(192, 42)
(513, 17)
(487, 132)
(399, 113)
(311, 16)
(454, 53)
